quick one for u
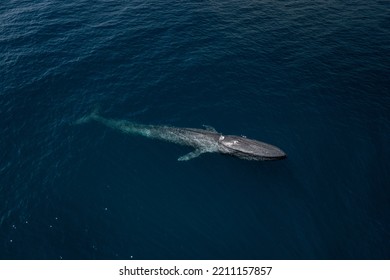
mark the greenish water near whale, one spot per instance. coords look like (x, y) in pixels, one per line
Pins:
(311, 77)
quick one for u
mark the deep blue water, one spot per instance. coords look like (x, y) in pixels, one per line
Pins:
(311, 77)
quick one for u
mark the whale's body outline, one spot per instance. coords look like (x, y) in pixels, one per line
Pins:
(206, 140)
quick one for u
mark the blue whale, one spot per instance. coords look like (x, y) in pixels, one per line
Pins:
(206, 140)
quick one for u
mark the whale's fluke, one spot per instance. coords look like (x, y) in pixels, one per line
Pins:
(94, 115)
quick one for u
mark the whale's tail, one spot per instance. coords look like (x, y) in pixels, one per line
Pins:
(93, 116)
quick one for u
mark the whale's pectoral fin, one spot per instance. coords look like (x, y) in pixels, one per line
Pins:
(209, 128)
(191, 155)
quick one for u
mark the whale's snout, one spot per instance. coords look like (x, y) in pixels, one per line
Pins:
(279, 154)
(250, 149)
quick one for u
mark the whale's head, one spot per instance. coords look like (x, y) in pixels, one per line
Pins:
(249, 149)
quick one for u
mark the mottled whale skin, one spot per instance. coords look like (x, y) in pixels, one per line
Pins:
(206, 140)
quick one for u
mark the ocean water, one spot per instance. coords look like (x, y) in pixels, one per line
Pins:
(311, 77)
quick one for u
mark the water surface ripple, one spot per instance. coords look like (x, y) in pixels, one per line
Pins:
(311, 77)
